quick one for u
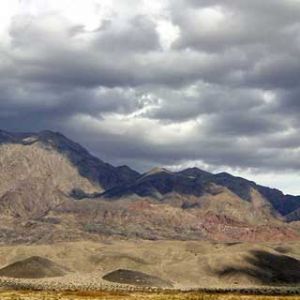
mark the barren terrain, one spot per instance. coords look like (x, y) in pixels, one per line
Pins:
(71, 222)
(184, 265)
(27, 295)
(53, 190)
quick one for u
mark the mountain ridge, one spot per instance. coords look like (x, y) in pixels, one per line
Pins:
(76, 153)
(121, 178)
(58, 190)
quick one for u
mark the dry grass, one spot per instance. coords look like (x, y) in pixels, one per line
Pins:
(28, 295)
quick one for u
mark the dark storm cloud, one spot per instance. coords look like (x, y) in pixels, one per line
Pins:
(204, 100)
(110, 57)
(243, 124)
(139, 35)
(224, 92)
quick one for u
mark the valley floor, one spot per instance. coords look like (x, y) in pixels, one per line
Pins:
(185, 264)
(30, 295)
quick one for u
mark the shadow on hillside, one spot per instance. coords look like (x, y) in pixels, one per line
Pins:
(136, 278)
(266, 268)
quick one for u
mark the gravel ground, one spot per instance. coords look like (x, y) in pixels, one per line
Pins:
(70, 282)
(93, 283)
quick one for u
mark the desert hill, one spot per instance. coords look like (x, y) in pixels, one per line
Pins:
(33, 267)
(136, 278)
(52, 189)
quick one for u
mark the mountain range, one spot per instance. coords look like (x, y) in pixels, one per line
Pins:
(53, 189)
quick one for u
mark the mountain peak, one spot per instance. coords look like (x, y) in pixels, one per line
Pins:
(157, 170)
(225, 174)
(88, 165)
(44, 136)
(195, 172)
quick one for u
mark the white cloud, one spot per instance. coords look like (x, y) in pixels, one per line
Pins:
(168, 33)
(8, 9)
(89, 13)
(157, 133)
(210, 18)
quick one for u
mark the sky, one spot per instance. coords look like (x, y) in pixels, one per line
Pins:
(213, 84)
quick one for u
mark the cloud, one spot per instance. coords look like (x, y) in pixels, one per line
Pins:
(211, 83)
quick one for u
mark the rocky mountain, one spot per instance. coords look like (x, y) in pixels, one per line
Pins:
(194, 181)
(53, 189)
(96, 171)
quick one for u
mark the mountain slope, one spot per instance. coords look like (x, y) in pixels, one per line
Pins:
(34, 179)
(38, 171)
(194, 181)
(89, 166)
(157, 183)
(284, 204)
(52, 189)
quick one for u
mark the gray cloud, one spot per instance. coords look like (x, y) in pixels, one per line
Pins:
(225, 93)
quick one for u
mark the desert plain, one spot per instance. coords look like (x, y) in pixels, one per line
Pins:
(182, 270)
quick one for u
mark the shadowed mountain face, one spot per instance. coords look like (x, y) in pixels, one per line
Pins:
(157, 183)
(195, 181)
(58, 191)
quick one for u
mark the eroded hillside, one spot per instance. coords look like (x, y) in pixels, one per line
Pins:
(52, 189)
